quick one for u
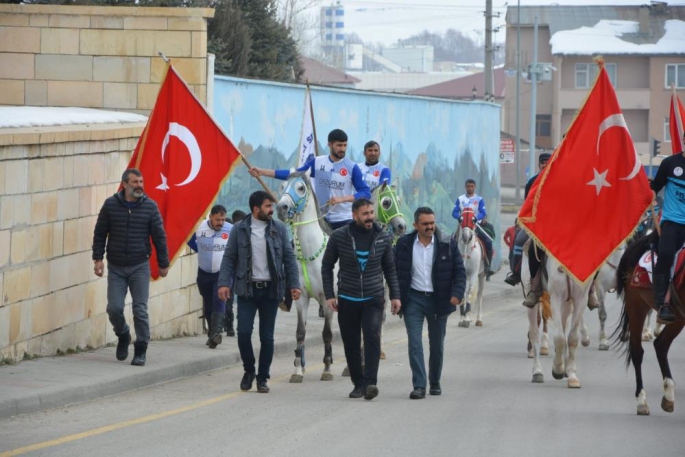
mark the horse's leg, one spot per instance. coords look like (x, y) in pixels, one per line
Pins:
(544, 345)
(566, 310)
(302, 306)
(662, 344)
(658, 328)
(636, 310)
(479, 300)
(602, 313)
(585, 336)
(327, 335)
(558, 311)
(647, 334)
(467, 297)
(577, 324)
(534, 338)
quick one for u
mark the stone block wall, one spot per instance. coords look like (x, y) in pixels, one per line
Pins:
(96, 56)
(53, 181)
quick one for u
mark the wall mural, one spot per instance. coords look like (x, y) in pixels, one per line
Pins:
(431, 146)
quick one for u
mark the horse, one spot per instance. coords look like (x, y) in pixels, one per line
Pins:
(299, 208)
(473, 254)
(606, 282)
(637, 301)
(567, 299)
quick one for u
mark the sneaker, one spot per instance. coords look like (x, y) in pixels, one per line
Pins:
(262, 387)
(371, 392)
(246, 382)
(435, 389)
(357, 392)
(418, 393)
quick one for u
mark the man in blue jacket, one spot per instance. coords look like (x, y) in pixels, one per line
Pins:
(257, 262)
(432, 281)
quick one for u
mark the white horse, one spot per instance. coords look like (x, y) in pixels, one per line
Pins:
(299, 208)
(473, 254)
(567, 299)
(606, 282)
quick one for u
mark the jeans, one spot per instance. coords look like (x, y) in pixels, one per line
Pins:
(119, 281)
(355, 319)
(207, 283)
(247, 310)
(419, 307)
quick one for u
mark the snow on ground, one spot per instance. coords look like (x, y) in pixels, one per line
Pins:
(605, 38)
(34, 116)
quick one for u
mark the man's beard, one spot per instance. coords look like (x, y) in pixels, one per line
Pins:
(264, 217)
(137, 193)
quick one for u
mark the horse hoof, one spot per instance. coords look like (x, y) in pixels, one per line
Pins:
(573, 384)
(603, 346)
(585, 343)
(544, 351)
(531, 354)
(327, 376)
(557, 376)
(479, 323)
(643, 410)
(296, 379)
(467, 324)
(538, 378)
(667, 405)
(382, 355)
(346, 372)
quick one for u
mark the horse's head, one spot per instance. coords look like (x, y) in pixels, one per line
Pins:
(467, 223)
(388, 209)
(295, 196)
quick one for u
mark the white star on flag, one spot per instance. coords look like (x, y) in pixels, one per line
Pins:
(600, 180)
(164, 186)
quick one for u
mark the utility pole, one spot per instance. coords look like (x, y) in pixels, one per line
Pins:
(533, 98)
(518, 101)
(489, 51)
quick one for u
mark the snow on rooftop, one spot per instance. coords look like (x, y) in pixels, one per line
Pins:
(33, 116)
(605, 38)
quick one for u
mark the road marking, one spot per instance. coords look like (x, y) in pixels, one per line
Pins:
(142, 420)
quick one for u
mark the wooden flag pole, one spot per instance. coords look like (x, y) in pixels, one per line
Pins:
(311, 111)
(258, 178)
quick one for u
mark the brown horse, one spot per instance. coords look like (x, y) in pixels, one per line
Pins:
(637, 301)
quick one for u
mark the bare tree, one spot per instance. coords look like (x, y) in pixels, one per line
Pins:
(301, 18)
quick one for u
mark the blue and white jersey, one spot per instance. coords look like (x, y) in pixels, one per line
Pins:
(334, 179)
(210, 245)
(671, 175)
(476, 203)
(374, 175)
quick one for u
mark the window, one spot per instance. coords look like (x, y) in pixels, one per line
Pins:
(675, 74)
(667, 130)
(587, 72)
(543, 125)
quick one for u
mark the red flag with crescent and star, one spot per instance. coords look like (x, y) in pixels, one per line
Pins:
(184, 157)
(590, 197)
(675, 124)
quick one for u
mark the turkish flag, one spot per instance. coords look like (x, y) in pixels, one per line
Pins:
(184, 157)
(675, 124)
(590, 197)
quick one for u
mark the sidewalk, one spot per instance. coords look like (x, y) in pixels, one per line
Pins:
(51, 382)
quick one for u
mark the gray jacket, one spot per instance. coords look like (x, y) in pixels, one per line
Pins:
(237, 262)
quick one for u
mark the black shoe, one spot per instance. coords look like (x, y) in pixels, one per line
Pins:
(435, 389)
(357, 392)
(370, 392)
(262, 387)
(229, 328)
(122, 345)
(418, 393)
(665, 314)
(217, 322)
(513, 279)
(246, 382)
(139, 351)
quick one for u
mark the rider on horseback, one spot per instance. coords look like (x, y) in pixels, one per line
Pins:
(670, 176)
(472, 200)
(374, 172)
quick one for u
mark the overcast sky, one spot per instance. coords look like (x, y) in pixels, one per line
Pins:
(387, 21)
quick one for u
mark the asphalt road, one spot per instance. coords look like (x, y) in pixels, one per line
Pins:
(489, 407)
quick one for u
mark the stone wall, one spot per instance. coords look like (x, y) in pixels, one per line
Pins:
(98, 57)
(53, 181)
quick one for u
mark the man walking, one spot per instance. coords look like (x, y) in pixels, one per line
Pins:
(432, 280)
(257, 262)
(365, 254)
(209, 241)
(125, 224)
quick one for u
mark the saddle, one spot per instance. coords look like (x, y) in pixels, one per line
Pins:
(642, 278)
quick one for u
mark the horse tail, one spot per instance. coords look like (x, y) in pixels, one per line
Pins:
(621, 335)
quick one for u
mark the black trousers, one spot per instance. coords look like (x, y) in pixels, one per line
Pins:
(671, 240)
(355, 319)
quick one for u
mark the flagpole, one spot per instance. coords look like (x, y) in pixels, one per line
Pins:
(675, 103)
(311, 111)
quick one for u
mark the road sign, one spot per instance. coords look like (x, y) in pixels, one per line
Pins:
(507, 150)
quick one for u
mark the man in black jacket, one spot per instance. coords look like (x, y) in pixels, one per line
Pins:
(126, 222)
(365, 254)
(432, 281)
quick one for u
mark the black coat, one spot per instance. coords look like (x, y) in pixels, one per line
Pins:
(448, 272)
(351, 280)
(125, 232)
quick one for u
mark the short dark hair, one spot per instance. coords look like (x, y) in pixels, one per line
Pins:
(370, 144)
(470, 181)
(358, 203)
(257, 199)
(238, 216)
(217, 209)
(422, 210)
(337, 135)
(129, 172)
(544, 157)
